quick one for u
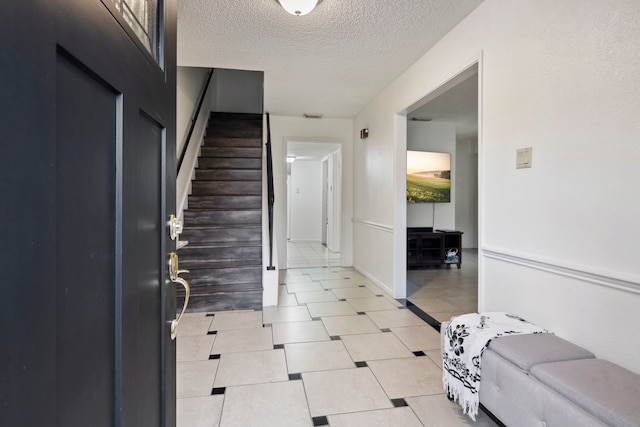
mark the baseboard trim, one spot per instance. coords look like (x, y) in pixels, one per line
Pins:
(373, 279)
(565, 271)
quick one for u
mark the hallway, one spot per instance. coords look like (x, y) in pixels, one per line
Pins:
(337, 351)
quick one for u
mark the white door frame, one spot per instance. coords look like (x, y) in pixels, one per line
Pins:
(400, 226)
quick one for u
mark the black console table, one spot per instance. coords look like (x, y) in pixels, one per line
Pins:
(427, 247)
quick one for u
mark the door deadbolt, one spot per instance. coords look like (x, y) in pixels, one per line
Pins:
(175, 227)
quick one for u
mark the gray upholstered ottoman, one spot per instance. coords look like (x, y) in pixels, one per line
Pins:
(542, 380)
(526, 351)
(519, 400)
(605, 390)
(516, 398)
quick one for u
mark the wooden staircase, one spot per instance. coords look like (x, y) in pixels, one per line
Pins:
(223, 223)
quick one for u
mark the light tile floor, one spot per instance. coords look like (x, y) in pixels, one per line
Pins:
(302, 254)
(446, 291)
(336, 351)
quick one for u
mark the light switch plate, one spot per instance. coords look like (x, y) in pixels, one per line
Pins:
(523, 158)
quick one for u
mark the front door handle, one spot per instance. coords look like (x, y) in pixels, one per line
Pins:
(174, 273)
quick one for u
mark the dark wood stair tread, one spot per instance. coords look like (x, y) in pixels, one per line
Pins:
(197, 228)
(222, 245)
(235, 300)
(194, 265)
(228, 175)
(230, 141)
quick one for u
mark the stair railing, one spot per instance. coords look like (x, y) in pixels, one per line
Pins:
(194, 119)
(270, 195)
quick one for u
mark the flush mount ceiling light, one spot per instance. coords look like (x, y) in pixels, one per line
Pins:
(291, 159)
(299, 7)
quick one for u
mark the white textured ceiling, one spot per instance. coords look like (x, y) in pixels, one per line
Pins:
(331, 61)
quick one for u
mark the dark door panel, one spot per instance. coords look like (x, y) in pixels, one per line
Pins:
(85, 254)
(143, 197)
(88, 182)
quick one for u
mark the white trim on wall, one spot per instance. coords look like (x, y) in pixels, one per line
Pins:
(480, 207)
(371, 224)
(559, 269)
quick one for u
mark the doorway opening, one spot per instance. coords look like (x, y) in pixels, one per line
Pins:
(314, 189)
(446, 121)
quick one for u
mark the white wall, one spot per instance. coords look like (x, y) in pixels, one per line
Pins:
(376, 200)
(557, 241)
(239, 91)
(441, 138)
(285, 128)
(306, 200)
(190, 83)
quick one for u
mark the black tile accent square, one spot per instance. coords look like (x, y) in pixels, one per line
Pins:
(214, 356)
(266, 325)
(385, 330)
(293, 377)
(361, 286)
(419, 353)
(315, 319)
(380, 296)
(320, 421)
(335, 338)
(399, 403)
(209, 314)
(361, 364)
(212, 332)
(278, 346)
(402, 308)
(342, 299)
(361, 313)
(218, 390)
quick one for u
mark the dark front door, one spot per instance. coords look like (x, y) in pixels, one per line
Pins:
(87, 105)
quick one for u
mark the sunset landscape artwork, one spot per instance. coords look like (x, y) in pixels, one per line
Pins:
(428, 177)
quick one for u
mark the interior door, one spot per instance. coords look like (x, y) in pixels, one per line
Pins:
(325, 200)
(88, 184)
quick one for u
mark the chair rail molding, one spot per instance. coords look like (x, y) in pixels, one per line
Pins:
(371, 224)
(606, 279)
